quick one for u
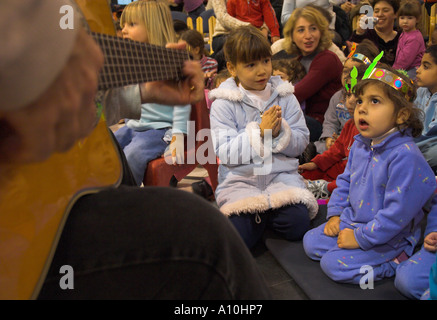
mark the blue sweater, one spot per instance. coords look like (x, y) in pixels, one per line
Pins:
(427, 102)
(382, 190)
(157, 116)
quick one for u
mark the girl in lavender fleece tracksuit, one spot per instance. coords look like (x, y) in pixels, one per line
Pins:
(374, 213)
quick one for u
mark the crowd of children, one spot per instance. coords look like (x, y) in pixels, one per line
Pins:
(376, 160)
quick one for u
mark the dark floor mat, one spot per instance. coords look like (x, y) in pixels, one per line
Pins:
(317, 286)
(312, 280)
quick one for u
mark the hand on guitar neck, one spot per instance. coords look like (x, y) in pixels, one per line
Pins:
(188, 91)
(66, 112)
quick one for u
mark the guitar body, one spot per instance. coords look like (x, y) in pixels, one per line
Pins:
(35, 199)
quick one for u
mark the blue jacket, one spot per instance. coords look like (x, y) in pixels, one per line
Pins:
(255, 175)
(158, 116)
(427, 103)
(382, 191)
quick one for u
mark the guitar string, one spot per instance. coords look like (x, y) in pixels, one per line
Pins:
(120, 58)
(140, 58)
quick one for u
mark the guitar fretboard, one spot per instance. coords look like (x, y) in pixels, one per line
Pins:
(129, 62)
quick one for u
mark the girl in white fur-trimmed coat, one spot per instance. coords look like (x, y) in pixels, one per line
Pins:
(259, 130)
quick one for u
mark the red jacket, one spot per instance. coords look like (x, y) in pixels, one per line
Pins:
(256, 12)
(333, 161)
(319, 85)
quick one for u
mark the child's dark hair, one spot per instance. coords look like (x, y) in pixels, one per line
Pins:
(432, 50)
(179, 26)
(246, 44)
(194, 39)
(291, 67)
(410, 8)
(367, 48)
(415, 119)
(393, 3)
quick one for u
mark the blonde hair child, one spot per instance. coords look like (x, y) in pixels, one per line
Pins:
(147, 139)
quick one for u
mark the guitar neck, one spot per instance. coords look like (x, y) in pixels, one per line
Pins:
(130, 62)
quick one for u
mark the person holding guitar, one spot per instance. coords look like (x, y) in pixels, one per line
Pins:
(122, 242)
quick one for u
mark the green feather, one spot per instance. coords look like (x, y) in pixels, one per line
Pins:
(354, 75)
(372, 65)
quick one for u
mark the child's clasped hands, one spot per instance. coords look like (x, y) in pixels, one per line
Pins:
(271, 120)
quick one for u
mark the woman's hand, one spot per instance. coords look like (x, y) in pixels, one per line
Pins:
(347, 6)
(359, 30)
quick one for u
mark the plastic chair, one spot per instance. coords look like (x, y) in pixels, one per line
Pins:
(159, 173)
(205, 24)
(178, 15)
(432, 20)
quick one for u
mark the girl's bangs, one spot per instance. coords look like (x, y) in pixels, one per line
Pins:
(131, 14)
(252, 50)
(362, 84)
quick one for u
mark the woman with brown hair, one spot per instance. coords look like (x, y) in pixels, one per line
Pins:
(307, 35)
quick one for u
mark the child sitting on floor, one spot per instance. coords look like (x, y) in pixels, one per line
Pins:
(290, 70)
(322, 171)
(412, 275)
(426, 100)
(375, 211)
(160, 126)
(337, 115)
(258, 131)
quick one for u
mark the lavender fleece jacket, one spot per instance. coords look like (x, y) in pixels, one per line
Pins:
(237, 142)
(382, 190)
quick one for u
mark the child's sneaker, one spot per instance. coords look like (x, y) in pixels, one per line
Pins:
(319, 188)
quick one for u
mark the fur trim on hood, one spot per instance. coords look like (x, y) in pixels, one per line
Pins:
(261, 203)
